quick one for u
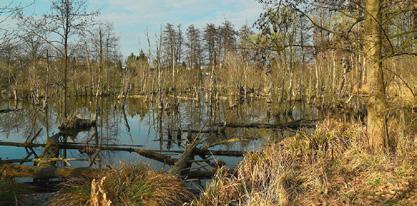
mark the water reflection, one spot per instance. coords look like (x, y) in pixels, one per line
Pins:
(142, 123)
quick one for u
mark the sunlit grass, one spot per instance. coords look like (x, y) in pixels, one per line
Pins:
(329, 166)
(129, 185)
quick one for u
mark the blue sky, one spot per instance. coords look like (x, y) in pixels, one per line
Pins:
(132, 18)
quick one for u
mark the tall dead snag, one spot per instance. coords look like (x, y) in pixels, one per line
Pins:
(377, 107)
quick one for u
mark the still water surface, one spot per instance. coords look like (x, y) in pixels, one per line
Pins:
(141, 123)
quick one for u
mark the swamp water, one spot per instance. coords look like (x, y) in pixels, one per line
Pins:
(141, 124)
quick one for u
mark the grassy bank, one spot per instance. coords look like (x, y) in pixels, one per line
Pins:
(129, 185)
(11, 193)
(330, 167)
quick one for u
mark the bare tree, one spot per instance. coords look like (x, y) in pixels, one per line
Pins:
(374, 17)
(66, 20)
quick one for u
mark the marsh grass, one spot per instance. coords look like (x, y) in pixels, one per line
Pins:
(11, 193)
(329, 166)
(129, 185)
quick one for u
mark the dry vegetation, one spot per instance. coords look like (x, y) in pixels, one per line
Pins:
(129, 185)
(331, 166)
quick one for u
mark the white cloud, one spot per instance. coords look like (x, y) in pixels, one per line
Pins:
(132, 18)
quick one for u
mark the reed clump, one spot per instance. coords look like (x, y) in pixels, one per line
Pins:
(128, 185)
(11, 193)
(329, 166)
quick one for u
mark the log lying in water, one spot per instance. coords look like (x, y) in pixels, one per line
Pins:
(222, 142)
(156, 156)
(20, 161)
(11, 170)
(205, 131)
(227, 153)
(76, 146)
(289, 125)
(9, 110)
(83, 147)
(180, 166)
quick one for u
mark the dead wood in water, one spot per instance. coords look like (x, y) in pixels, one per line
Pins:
(156, 156)
(11, 170)
(218, 130)
(222, 142)
(20, 161)
(289, 125)
(82, 147)
(183, 164)
(9, 110)
(115, 147)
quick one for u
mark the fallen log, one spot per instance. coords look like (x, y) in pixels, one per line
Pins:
(9, 110)
(83, 147)
(11, 170)
(14, 171)
(180, 166)
(156, 156)
(222, 142)
(111, 147)
(230, 153)
(289, 125)
(205, 131)
(10, 161)
(151, 154)
(52, 161)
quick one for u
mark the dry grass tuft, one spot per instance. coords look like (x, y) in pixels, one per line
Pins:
(129, 185)
(11, 193)
(331, 166)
